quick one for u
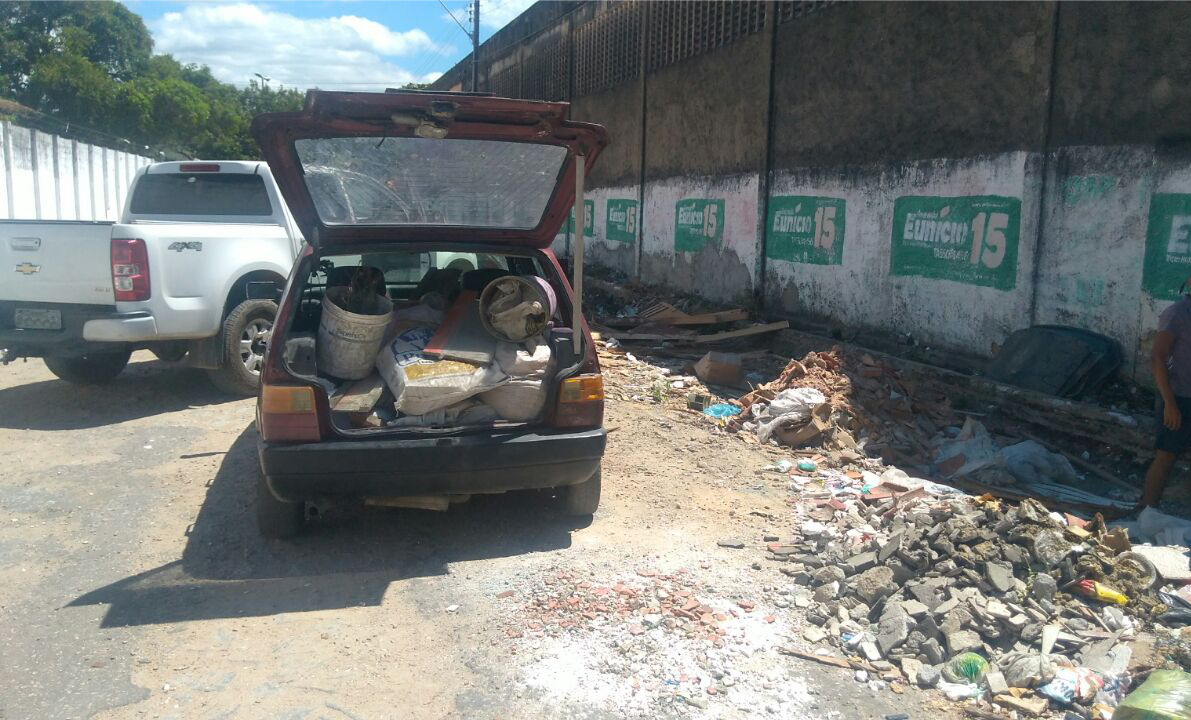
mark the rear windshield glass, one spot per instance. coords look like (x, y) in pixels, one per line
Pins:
(201, 194)
(418, 181)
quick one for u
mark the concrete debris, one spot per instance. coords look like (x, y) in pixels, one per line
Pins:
(929, 675)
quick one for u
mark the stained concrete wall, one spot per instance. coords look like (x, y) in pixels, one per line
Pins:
(46, 177)
(1062, 122)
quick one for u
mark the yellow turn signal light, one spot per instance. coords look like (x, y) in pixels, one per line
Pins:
(287, 400)
(582, 389)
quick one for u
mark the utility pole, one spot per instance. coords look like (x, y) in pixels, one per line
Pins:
(475, 46)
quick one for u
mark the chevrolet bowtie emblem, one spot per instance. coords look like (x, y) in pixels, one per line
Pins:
(28, 268)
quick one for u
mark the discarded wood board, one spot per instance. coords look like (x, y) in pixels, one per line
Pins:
(708, 338)
(361, 396)
(462, 335)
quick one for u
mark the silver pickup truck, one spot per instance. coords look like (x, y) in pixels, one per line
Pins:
(192, 270)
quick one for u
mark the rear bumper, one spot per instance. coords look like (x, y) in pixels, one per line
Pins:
(127, 327)
(490, 462)
(72, 339)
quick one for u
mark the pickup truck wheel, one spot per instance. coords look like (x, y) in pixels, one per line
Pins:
(276, 518)
(582, 499)
(245, 336)
(90, 369)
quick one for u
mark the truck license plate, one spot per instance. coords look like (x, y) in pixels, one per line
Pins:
(29, 319)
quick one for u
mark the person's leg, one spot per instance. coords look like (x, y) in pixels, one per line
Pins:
(1156, 478)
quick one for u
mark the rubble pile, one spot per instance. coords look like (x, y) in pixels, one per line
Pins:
(854, 404)
(897, 419)
(649, 640)
(918, 582)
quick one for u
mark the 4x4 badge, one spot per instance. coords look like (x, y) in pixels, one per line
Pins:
(28, 268)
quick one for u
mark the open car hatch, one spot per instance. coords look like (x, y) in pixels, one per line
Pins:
(426, 167)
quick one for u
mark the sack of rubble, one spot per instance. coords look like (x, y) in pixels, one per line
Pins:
(527, 360)
(422, 385)
(517, 400)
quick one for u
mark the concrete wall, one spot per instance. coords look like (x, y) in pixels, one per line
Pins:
(951, 171)
(46, 177)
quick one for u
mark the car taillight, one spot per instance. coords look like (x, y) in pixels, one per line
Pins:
(198, 167)
(130, 269)
(288, 413)
(580, 402)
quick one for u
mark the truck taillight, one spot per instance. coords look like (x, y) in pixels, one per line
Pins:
(130, 269)
(287, 413)
(580, 402)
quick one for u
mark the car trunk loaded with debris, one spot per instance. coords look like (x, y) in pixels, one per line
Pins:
(448, 357)
(428, 315)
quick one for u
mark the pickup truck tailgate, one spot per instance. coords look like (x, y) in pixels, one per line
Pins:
(55, 261)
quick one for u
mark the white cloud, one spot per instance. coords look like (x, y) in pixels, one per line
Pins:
(344, 53)
(494, 14)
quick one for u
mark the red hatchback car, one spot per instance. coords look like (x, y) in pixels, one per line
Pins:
(442, 193)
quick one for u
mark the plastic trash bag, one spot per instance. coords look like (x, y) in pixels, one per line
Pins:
(1026, 670)
(720, 411)
(1179, 612)
(965, 667)
(959, 691)
(1072, 684)
(1165, 695)
(1029, 461)
(793, 405)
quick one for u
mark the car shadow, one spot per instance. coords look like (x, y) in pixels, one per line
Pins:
(144, 389)
(348, 557)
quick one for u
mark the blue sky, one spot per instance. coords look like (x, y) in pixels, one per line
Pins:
(334, 45)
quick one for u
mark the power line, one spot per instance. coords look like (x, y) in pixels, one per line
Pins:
(465, 30)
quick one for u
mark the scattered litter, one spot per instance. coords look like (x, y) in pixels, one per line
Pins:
(721, 410)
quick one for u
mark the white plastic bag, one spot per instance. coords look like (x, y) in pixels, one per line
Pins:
(793, 405)
(420, 384)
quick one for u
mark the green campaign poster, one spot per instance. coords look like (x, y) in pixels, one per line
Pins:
(1168, 246)
(970, 239)
(588, 227)
(806, 229)
(697, 222)
(621, 222)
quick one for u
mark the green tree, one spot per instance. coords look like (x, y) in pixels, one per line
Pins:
(92, 64)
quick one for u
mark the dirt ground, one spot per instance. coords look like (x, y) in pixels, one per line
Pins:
(133, 583)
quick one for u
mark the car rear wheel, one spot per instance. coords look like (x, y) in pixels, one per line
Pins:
(582, 499)
(246, 334)
(277, 518)
(90, 369)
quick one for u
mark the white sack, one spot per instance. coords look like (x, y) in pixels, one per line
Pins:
(420, 384)
(517, 400)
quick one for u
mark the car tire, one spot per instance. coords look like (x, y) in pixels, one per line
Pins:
(582, 499)
(277, 518)
(90, 369)
(245, 335)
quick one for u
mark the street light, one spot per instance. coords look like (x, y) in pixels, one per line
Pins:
(264, 79)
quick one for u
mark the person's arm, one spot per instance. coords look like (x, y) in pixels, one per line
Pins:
(1163, 344)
